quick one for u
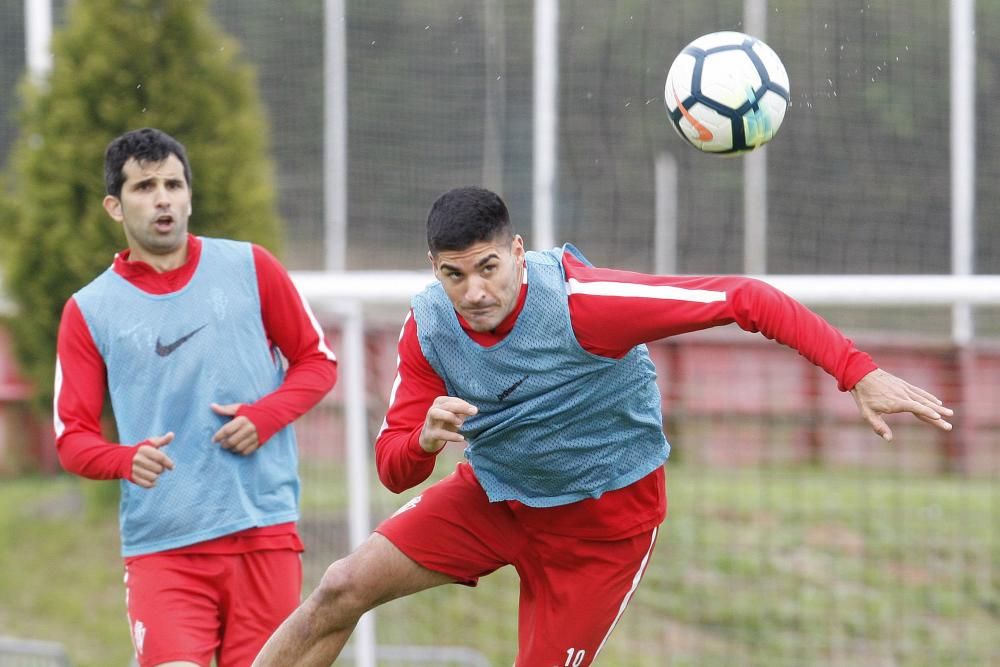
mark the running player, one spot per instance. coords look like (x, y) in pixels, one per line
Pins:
(184, 333)
(535, 362)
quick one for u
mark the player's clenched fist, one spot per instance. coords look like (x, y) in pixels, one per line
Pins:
(444, 418)
(239, 435)
(149, 461)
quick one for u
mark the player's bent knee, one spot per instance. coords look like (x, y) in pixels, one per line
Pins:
(372, 575)
(341, 589)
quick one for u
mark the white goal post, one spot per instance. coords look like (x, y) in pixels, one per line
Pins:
(328, 290)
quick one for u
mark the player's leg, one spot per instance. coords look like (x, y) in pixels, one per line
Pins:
(262, 589)
(450, 533)
(315, 633)
(573, 592)
(172, 606)
(454, 529)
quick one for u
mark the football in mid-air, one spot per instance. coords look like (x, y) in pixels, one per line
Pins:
(727, 93)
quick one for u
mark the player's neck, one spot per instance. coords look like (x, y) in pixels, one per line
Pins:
(160, 262)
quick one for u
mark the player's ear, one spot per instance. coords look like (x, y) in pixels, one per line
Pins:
(430, 258)
(113, 205)
(517, 247)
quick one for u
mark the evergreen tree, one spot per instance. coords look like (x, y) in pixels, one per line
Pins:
(120, 65)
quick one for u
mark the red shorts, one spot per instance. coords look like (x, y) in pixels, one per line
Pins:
(195, 607)
(573, 590)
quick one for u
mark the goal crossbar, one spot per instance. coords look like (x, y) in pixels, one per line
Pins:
(326, 290)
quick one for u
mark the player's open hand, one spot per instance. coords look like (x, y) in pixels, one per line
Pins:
(239, 435)
(150, 461)
(881, 393)
(444, 419)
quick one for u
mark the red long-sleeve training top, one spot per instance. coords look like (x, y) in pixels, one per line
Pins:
(612, 311)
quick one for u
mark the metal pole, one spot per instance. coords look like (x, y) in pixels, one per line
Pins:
(359, 518)
(496, 94)
(546, 122)
(963, 156)
(38, 38)
(335, 136)
(335, 251)
(755, 168)
(665, 229)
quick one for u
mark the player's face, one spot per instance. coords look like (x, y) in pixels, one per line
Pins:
(154, 207)
(483, 281)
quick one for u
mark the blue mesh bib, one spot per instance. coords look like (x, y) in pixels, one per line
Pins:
(169, 356)
(556, 424)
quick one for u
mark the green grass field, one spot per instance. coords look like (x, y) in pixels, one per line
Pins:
(752, 567)
(60, 572)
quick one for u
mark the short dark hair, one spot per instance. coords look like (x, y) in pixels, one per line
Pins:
(146, 145)
(464, 216)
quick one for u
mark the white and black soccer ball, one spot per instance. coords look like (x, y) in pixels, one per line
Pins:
(726, 93)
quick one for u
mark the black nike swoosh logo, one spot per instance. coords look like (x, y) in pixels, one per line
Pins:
(164, 350)
(510, 390)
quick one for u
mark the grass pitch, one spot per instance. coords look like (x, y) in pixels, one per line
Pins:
(753, 567)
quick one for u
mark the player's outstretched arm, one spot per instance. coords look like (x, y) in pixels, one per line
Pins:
(880, 393)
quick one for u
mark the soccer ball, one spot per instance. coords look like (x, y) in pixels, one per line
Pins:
(726, 93)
